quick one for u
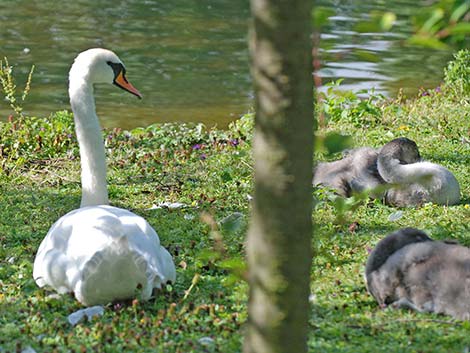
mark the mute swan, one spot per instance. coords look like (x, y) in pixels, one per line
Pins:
(407, 269)
(356, 172)
(414, 182)
(99, 252)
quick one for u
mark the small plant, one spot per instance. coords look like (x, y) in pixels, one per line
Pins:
(30, 138)
(457, 73)
(361, 107)
(9, 87)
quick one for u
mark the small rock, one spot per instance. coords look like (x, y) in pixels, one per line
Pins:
(54, 296)
(90, 312)
(206, 341)
(395, 216)
(28, 350)
(169, 205)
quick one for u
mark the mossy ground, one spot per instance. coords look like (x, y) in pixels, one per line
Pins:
(210, 171)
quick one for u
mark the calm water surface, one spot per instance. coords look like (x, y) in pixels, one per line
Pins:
(189, 58)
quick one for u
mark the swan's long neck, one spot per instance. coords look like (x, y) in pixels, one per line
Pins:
(393, 172)
(90, 141)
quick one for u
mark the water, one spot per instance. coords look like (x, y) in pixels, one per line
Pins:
(377, 60)
(189, 58)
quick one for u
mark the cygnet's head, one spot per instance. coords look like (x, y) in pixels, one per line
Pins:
(99, 65)
(403, 149)
(392, 243)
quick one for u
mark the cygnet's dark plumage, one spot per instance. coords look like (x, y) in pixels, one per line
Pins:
(414, 182)
(409, 269)
(356, 172)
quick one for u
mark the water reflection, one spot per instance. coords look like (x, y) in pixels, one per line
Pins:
(379, 60)
(189, 58)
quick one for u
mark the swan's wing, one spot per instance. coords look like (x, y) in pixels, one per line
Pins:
(51, 264)
(113, 273)
(144, 240)
(102, 252)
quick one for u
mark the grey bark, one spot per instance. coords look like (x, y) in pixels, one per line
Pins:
(279, 238)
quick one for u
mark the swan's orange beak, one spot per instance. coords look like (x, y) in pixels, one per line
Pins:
(121, 81)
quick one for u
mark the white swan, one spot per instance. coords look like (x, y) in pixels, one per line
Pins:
(414, 182)
(99, 252)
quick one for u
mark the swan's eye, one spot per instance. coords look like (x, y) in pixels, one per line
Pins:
(120, 79)
(117, 68)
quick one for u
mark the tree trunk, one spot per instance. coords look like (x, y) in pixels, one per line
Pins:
(279, 239)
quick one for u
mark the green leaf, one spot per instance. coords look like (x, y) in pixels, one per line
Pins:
(335, 142)
(207, 255)
(367, 55)
(234, 264)
(226, 176)
(459, 12)
(436, 16)
(428, 42)
(367, 27)
(233, 223)
(321, 15)
(460, 28)
(387, 21)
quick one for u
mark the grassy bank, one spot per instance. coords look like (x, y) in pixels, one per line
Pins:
(209, 171)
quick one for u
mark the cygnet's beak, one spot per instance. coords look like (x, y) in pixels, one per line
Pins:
(121, 81)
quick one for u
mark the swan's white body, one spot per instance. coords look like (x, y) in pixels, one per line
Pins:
(102, 254)
(99, 252)
(426, 182)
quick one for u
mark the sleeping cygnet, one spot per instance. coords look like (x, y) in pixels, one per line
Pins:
(355, 173)
(407, 269)
(414, 182)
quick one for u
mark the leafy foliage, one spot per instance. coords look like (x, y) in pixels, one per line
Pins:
(457, 73)
(348, 106)
(443, 23)
(438, 25)
(28, 139)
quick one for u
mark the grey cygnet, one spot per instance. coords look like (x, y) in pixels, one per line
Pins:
(407, 269)
(414, 182)
(355, 173)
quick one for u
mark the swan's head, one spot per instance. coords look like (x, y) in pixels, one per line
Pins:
(403, 149)
(99, 65)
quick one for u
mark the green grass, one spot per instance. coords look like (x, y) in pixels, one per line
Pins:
(344, 317)
(210, 171)
(207, 170)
